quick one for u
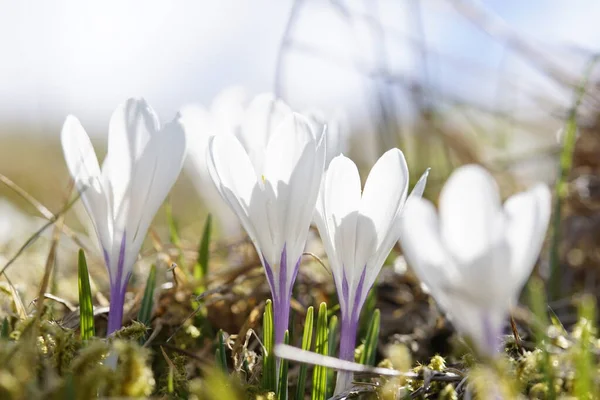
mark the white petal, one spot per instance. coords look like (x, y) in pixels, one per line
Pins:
(527, 214)
(130, 129)
(483, 325)
(84, 169)
(227, 110)
(385, 192)
(198, 129)
(153, 177)
(337, 213)
(260, 120)
(470, 213)
(383, 196)
(422, 245)
(234, 177)
(197, 126)
(293, 170)
(378, 258)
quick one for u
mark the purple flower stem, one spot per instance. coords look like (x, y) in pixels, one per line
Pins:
(282, 294)
(347, 345)
(118, 287)
(491, 337)
(349, 328)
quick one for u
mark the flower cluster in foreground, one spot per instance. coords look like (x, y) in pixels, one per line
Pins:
(141, 165)
(271, 166)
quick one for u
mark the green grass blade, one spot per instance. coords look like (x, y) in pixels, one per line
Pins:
(86, 308)
(173, 229)
(145, 313)
(269, 378)
(221, 355)
(201, 267)
(584, 359)
(319, 391)
(306, 343)
(332, 342)
(538, 305)
(282, 393)
(367, 313)
(561, 187)
(371, 340)
(5, 331)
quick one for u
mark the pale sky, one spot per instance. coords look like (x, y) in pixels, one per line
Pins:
(70, 57)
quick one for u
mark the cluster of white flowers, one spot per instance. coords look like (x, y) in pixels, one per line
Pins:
(278, 170)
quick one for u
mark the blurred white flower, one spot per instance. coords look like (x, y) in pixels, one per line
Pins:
(337, 132)
(141, 165)
(476, 257)
(225, 116)
(269, 173)
(359, 231)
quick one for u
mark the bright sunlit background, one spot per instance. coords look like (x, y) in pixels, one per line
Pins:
(72, 57)
(501, 71)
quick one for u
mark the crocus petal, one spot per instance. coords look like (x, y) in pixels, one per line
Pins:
(336, 215)
(482, 325)
(423, 247)
(527, 214)
(197, 126)
(293, 167)
(153, 176)
(470, 213)
(130, 129)
(382, 199)
(384, 193)
(84, 169)
(263, 115)
(234, 177)
(227, 110)
(393, 234)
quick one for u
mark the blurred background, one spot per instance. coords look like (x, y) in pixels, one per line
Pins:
(447, 81)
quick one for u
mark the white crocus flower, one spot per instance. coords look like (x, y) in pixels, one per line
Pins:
(476, 257)
(141, 165)
(269, 174)
(224, 116)
(359, 231)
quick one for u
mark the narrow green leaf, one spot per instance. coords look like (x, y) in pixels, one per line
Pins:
(584, 359)
(564, 169)
(371, 340)
(201, 267)
(170, 383)
(538, 305)
(282, 393)
(306, 342)
(332, 341)
(367, 312)
(269, 378)
(86, 308)
(173, 229)
(5, 331)
(319, 391)
(145, 313)
(221, 355)
(171, 374)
